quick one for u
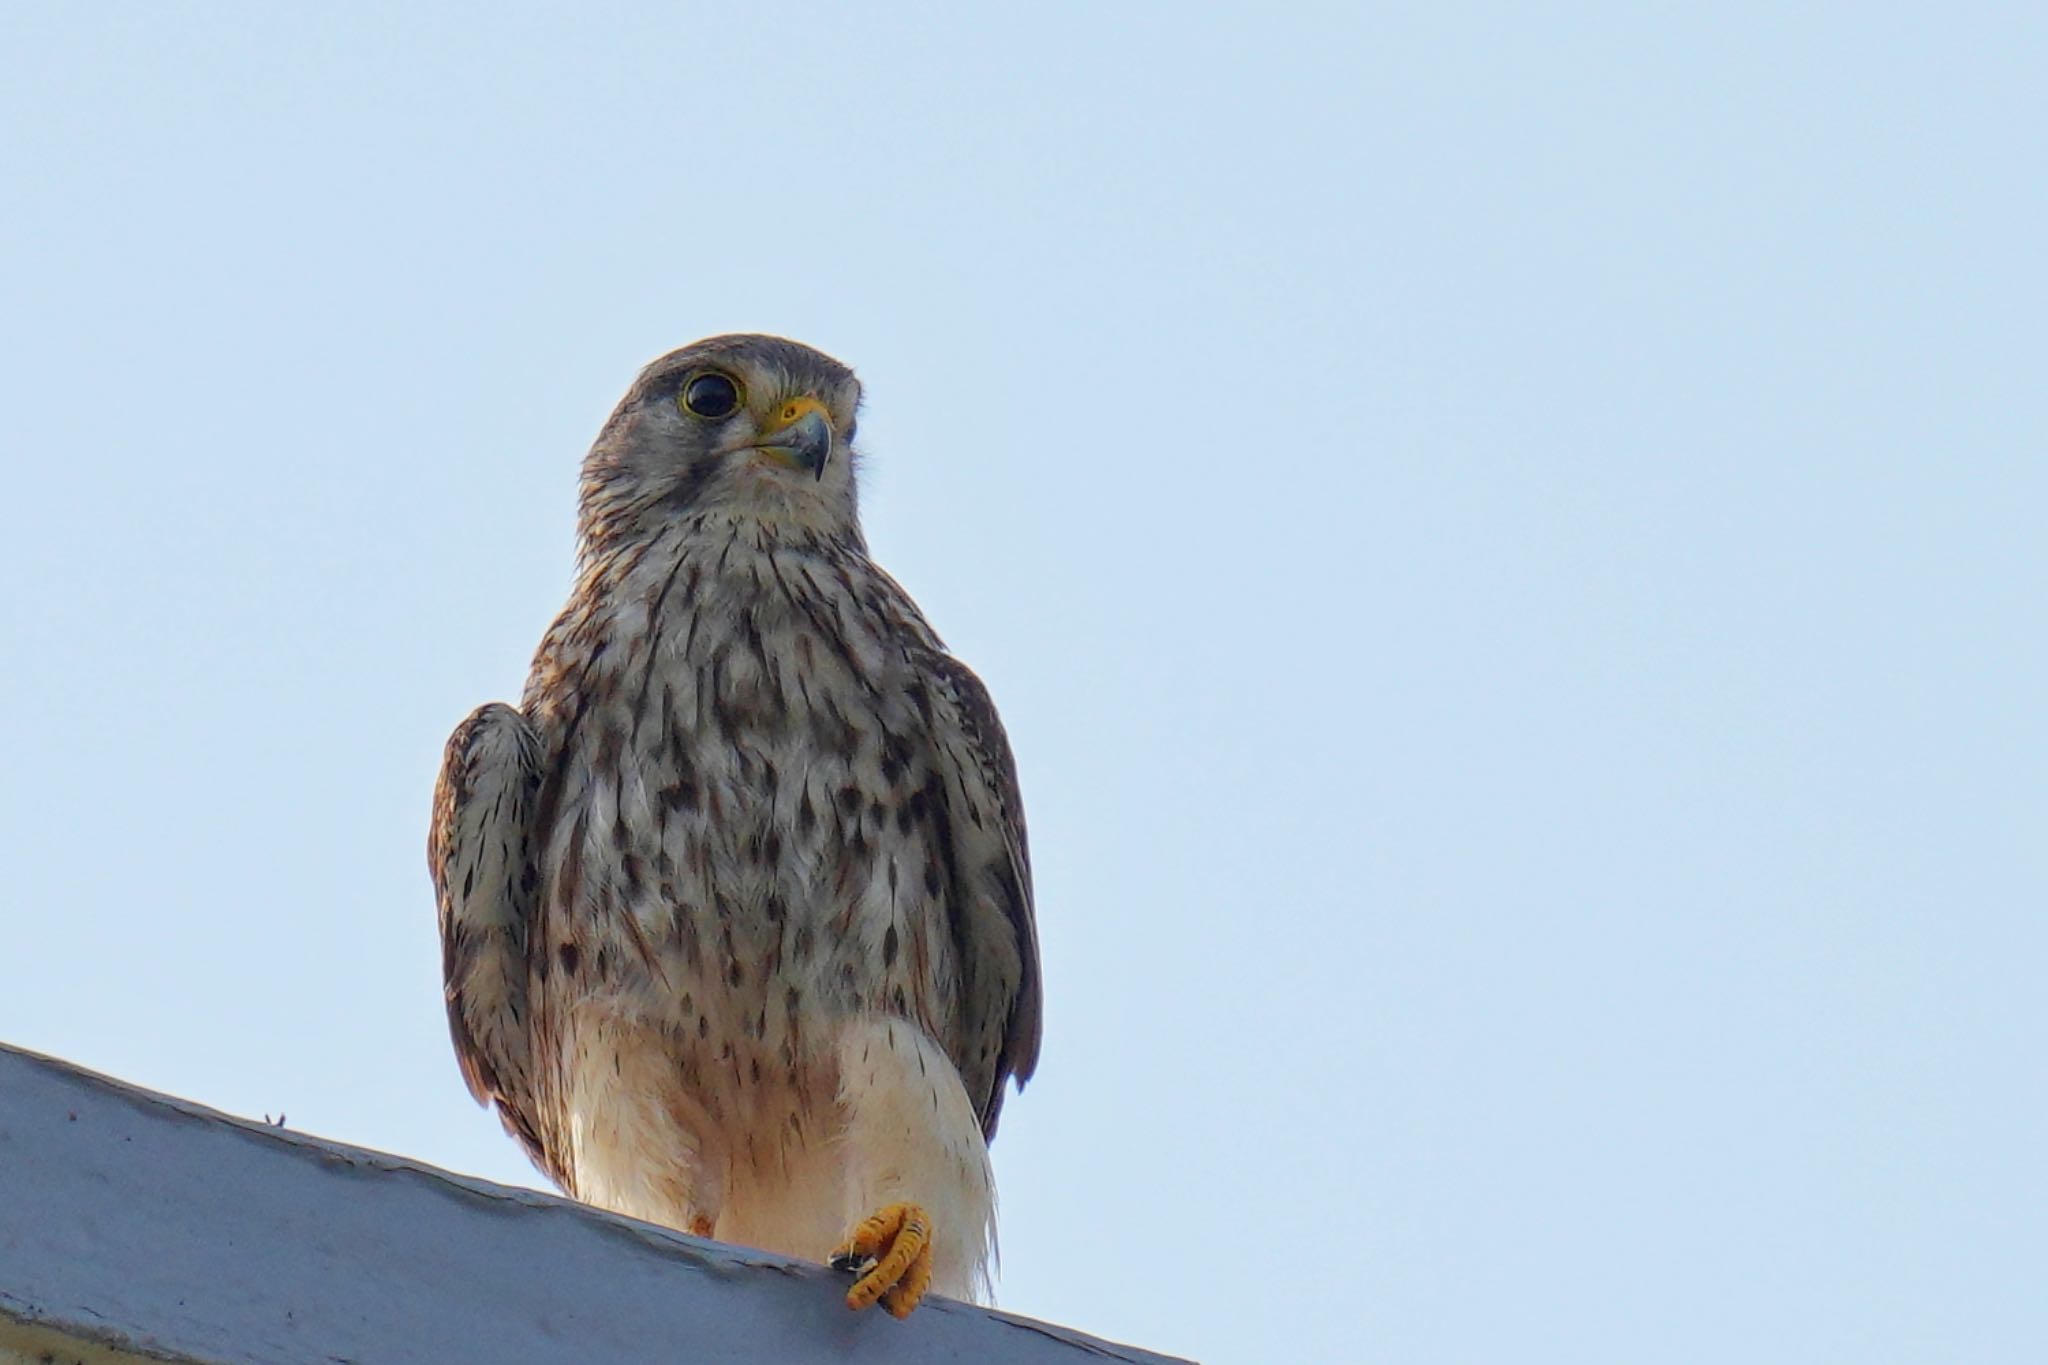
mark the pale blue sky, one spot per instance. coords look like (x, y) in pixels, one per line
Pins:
(1509, 542)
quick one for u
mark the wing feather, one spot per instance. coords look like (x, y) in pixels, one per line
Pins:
(1003, 1016)
(481, 854)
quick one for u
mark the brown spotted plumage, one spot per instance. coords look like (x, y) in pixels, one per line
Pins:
(736, 906)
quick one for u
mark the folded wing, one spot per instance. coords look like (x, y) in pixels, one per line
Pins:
(481, 852)
(997, 934)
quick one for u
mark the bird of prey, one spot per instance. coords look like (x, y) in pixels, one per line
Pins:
(735, 906)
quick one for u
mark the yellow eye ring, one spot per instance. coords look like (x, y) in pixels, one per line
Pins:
(711, 394)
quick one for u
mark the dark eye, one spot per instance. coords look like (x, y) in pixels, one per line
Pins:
(711, 395)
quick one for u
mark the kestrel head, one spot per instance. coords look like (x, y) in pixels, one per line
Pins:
(753, 426)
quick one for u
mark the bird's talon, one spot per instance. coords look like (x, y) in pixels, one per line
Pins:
(894, 1250)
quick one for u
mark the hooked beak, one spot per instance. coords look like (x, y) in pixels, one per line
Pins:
(804, 438)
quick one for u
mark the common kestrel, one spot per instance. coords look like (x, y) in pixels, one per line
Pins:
(736, 907)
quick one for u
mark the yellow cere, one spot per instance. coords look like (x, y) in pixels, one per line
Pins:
(794, 410)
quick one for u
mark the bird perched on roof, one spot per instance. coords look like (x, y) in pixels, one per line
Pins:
(735, 907)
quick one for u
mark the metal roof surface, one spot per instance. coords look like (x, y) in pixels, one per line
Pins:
(152, 1226)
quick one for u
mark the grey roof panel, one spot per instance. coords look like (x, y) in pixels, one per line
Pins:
(160, 1228)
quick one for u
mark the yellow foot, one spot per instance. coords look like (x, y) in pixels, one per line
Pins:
(895, 1247)
(700, 1226)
